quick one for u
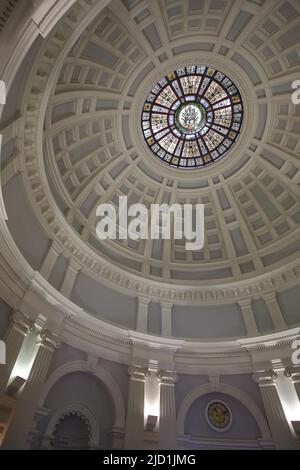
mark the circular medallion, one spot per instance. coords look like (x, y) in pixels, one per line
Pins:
(218, 415)
(192, 117)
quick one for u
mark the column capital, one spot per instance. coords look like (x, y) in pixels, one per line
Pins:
(167, 377)
(55, 246)
(137, 372)
(49, 340)
(270, 297)
(74, 266)
(214, 381)
(265, 377)
(166, 305)
(22, 323)
(292, 372)
(144, 300)
(245, 303)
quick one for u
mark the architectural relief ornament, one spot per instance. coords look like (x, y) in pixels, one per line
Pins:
(22, 323)
(218, 415)
(138, 372)
(265, 377)
(292, 372)
(49, 340)
(192, 116)
(56, 226)
(202, 294)
(167, 377)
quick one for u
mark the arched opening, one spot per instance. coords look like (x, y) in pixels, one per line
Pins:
(71, 432)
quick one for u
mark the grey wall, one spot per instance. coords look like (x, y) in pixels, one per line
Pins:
(16, 91)
(185, 384)
(65, 354)
(23, 225)
(243, 424)
(104, 302)
(84, 388)
(212, 321)
(262, 316)
(5, 312)
(289, 302)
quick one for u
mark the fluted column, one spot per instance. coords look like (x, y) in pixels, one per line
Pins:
(70, 278)
(134, 431)
(17, 435)
(50, 260)
(294, 374)
(275, 312)
(142, 314)
(167, 419)
(17, 331)
(279, 426)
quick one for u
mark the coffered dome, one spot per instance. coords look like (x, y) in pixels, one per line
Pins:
(95, 151)
(85, 141)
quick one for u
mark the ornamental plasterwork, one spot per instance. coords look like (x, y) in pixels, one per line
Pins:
(37, 93)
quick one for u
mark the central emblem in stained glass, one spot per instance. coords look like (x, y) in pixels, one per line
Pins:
(192, 117)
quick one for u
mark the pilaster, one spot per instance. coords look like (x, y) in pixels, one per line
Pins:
(279, 426)
(249, 318)
(134, 430)
(142, 314)
(70, 277)
(275, 312)
(17, 435)
(167, 419)
(19, 327)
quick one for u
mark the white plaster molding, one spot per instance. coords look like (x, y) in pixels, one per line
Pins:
(100, 373)
(77, 408)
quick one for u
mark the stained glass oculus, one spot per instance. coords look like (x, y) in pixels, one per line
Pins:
(192, 117)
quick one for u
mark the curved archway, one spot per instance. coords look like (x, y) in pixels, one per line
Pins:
(234, 392)
(79, 409)
(101, 374)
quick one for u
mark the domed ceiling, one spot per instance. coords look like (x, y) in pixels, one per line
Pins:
(95, 150)
(79, 138)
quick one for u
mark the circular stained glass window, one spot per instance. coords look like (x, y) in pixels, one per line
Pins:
(192, 117)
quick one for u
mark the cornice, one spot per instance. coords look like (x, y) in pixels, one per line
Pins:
(92, 334)
(273, 342)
